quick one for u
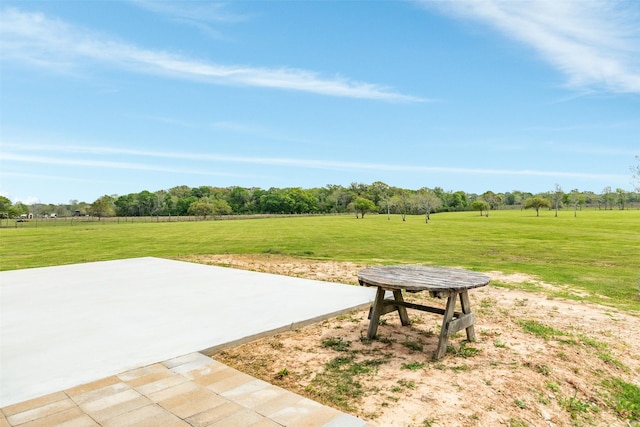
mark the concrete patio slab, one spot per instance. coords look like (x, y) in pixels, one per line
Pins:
(64, 326)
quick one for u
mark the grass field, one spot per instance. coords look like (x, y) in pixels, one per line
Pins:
(597, 252)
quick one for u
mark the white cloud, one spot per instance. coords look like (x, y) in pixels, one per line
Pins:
(267, 161)
(199, 15)
(192, 11)
(596, 44)
(106, 164)
(36, 39)
(27, 200)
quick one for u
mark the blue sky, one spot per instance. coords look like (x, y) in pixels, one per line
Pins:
(116, 97)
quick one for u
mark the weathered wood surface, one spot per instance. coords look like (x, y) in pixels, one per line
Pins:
(464, 322)
(446, 322)
(415, 278)
(466, 309)
(453, 283)
(391, 305)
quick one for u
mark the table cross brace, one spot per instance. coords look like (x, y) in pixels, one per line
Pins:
(453, 321)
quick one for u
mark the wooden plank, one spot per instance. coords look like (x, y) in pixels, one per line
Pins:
(389, 307)
(418, 277)
(375, 314)
(463, 322)
(402, 310)
(392, 303)
(466, 309)
(444, 331)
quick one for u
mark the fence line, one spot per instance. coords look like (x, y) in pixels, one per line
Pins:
(77, 220)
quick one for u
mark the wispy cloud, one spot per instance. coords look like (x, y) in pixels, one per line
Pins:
(47, 177)
(592, 150)
(209, 12)
(37, 39)
(586, 127)
(200, 15)
(259, 131)
(266, 161)
(167, 120)
(48, 160)
(596, 44)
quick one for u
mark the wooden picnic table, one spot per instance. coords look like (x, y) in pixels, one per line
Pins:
(439, 281)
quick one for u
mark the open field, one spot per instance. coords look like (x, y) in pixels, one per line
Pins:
(595, 257)
(556, 331)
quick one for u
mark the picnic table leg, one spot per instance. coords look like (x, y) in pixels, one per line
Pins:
(376, 311)
(466, 309)
(402, 310)
(444, 331)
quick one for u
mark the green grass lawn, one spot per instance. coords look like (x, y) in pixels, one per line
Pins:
(597, 252)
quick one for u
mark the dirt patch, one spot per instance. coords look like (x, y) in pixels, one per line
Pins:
(536, 362)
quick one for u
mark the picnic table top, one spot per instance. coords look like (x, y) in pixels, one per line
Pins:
(415, 278)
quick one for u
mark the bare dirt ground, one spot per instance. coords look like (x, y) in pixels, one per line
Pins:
(536, 362)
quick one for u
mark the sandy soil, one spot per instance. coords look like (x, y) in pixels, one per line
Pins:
(508, 377)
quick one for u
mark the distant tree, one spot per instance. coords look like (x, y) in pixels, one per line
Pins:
(621, 196)
(321, 195)
(288, 201)
(303, 200)
(382, 195)
(427, 201)
(576, 199)
(143, 203)
(254, 200)
(276, 201)
(480, 205)
(537, 203)
(402, 203)
(62, 210)
(103, 207)
(7, 209)
(359, 189)
(221, 207)
(169, 204)
(123, 204)
(442, 195)
(183, 205)
(180, 192)
(510, 199)
(239, 198)
(203, 207)
(515, 198)
(163, 203)
(202, 191)
(494, 200)
(456, 201)
(363, 205)
(338, 198)
(523, 197)
(608, 197)
(557, 198)
(20, 208)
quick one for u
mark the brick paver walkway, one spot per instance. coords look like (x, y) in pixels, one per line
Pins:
(192, 390)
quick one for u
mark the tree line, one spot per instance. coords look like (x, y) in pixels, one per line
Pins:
(357, 198)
